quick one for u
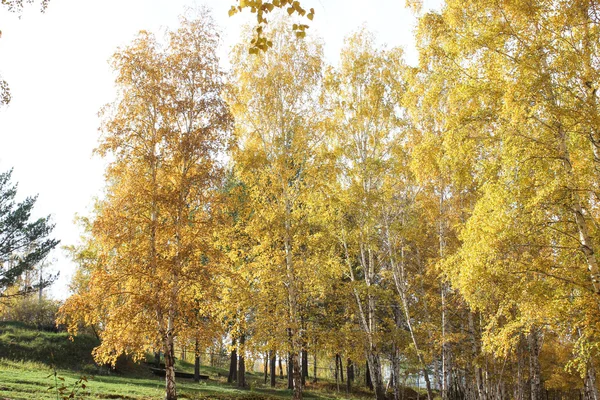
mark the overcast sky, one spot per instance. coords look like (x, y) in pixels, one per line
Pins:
(57, 66)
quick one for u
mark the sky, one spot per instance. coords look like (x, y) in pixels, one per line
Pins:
(56, 64)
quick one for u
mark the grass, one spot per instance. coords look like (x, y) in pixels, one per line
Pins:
(21, 342)
(29, 380)
(29, 359)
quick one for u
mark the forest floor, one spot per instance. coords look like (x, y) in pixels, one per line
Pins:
(36, 364)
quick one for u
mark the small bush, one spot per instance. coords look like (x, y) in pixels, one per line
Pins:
(32, 311)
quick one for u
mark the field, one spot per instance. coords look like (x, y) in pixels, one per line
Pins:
(34, 364)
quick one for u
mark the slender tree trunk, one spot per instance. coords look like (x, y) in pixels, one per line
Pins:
(304, 364)
(520, 386)
(266, 366)
(534, 365)
(171, 391)
(233, 364)
(350, 373)
(474, 352)
(197, 362)
(242, 364)
(337, 373)
(445, 372)
(290, 372)
(368, 381)
(273, 372)
(376, 376)
(280, 368)
(315, 367)
(296, 377)
(436, 373)
(395, 375)
(349, 376)
(367, 314)
(589, 383)
(399, 275)
(292, 299)
(157, 359)
(442, 247)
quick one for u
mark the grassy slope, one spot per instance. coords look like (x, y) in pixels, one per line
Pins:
(26, 372)
(20, 342)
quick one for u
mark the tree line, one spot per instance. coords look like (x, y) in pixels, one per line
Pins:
(440, 217)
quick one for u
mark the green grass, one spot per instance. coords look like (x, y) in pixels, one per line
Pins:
(21, 342)
(31, 380)
(29, 359)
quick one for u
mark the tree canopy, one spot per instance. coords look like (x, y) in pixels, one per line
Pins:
(439, 220)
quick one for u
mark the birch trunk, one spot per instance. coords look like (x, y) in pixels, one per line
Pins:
(534, 365)
(169, 350)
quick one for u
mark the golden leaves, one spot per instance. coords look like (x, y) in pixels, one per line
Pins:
(153, 232)
(261, 8)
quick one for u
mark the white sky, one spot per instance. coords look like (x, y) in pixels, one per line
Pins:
(56, 64)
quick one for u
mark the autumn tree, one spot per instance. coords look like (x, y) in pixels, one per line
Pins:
(278, 161)
(365, 133)
(153, 230)
(522, 86)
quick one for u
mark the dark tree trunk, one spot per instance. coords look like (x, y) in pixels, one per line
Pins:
(266, 366)
(273, 372)
(315, 367)
(242, 365)
(157, 359)
(280, 368)
(350, 370)
(368, 381)
(197, 362)
(349, 375)
(337, 373)
(304, 365)
(233, 364)
(341, 367)
(290, 372)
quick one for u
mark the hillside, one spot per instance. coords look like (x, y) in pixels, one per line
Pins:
(19, 342)
(34, 363)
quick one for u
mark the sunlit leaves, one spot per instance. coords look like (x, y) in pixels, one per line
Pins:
(152, 276)
(262, 8)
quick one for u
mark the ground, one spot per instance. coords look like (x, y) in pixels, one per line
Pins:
(34, 364)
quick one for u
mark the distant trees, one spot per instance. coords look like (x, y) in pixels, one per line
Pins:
(23, 242)
(31, 310)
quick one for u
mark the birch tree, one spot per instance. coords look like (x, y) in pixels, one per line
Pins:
(162, 136)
